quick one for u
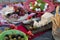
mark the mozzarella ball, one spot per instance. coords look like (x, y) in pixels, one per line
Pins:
(46, 6)
(36, 3)
(44, 9)
(38, 9)
(31, 7)
(39, 4)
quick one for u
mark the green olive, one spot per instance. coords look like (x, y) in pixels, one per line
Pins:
(14, 39)
(0, 31)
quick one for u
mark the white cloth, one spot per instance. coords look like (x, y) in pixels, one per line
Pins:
(19, 5)
(7, 10)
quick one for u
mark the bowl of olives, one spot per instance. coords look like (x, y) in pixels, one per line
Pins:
(13, 35)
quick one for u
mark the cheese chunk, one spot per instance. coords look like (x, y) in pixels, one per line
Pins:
(45, 19)
(47, 16)
(42, 23)
(37, 9)
(35, 24)
(7, 10)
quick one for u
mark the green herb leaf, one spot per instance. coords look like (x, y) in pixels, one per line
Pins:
(39, 1)
(42, 6)
(30, 4)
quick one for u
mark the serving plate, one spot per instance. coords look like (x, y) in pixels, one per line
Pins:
(51, 5)
(12, 32)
